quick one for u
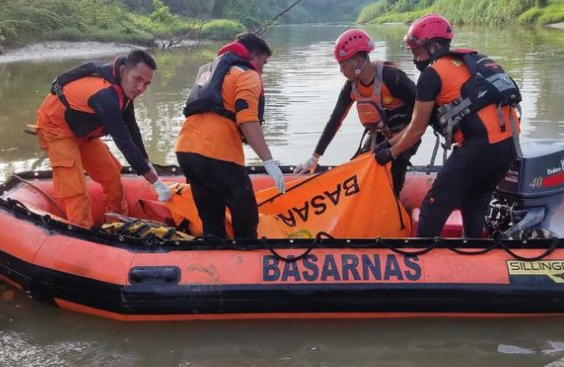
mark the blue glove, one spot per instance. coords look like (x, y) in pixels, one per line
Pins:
(383, 156)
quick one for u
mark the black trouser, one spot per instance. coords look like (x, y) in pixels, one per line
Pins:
(399, 167)
(466, 181)
(217, 185)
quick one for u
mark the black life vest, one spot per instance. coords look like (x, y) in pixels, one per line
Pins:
(206, 96)
(82, 123)
(488, 84)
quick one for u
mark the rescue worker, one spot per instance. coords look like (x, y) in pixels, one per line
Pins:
(224, 108)
(472, 102)
(86, 103)
(384, 97)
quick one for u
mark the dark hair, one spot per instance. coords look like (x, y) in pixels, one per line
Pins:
(136, 56)
(254, 43)
(442, 42)
(363, 55)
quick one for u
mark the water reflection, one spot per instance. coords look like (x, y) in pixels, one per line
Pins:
(33, 335)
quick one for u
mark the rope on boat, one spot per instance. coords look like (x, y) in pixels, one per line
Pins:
(292, 258)
(548, 251)
(436, 242)
(397, 250)
(498, 243)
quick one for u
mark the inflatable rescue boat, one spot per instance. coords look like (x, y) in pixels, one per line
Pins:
(130, 272)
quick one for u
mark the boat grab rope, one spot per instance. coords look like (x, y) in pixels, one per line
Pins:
(320, 239)
(291, 258)
(437, 243)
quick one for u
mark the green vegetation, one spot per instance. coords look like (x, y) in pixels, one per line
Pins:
(466, 11)
(169, 22)
(150, 22)
(261, 10)
(29, 21)
(553, 12)
(482, 11)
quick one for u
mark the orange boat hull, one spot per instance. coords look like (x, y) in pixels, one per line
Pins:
(134, 279)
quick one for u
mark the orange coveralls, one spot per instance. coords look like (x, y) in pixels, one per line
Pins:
(71, 156)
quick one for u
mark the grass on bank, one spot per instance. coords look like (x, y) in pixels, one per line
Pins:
(482, 12)
(552, 13)
(31, 21)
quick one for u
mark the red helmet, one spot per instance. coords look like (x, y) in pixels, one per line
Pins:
(351, 42)
(426, 28)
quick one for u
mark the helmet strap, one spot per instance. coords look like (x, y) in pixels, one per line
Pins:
(359, 70)
(439, 51)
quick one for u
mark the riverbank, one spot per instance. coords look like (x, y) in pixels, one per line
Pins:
(559, 25)
(65, 50)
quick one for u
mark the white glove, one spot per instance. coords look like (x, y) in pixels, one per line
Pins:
(162, 190)
(274, 171)
(308, 166)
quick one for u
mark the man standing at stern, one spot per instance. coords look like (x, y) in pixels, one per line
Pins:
(472, 102)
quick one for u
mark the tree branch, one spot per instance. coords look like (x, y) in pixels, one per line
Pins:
(264, 27)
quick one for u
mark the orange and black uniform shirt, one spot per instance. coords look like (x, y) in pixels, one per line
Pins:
(217, 137)
(441, 82)
(97, 96)
(397, 89)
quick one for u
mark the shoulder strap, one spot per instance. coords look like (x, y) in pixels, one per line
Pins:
(470, 63)
(379, 79)
(71, 75)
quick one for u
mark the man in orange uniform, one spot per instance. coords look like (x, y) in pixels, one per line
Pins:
(384, 97)
(472, 102)
(225, 106)
(86, 103)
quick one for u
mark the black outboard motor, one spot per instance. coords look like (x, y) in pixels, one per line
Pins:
(529, 201)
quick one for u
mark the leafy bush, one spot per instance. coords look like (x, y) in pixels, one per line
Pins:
(373, 11)
(221, 29)
(552, 13)
(407, 17)
(465, 11)
(530, 16)
(482, 11)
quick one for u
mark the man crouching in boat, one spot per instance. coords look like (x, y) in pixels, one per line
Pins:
(86, 103)
(474, 102)
(225, 107)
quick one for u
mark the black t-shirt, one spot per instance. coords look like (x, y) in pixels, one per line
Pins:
(428, 85)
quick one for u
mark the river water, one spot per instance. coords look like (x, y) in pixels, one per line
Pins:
(302, 83)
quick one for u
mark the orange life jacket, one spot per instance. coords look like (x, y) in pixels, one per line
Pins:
(85, 124)
(485, 89)
(375, 114)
